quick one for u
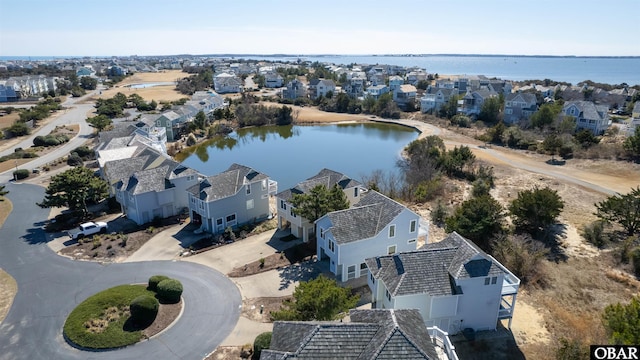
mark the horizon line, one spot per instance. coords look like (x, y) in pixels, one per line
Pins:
(14, 57)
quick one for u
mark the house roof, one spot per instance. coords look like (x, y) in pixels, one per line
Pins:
(407, 88)
(526, 97)
(365, 219)
(325, 177)
(588, 109)
(226, 183)
(432, 268)
(371, 334)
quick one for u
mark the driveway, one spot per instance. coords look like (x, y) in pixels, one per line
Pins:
(50, 286)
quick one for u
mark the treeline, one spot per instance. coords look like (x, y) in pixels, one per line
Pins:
(114, 107)
(39, 112)
(41, 69)
(259, 115)
(200, 81)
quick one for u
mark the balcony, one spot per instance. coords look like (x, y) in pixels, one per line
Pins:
(443, 345)
(273, 187)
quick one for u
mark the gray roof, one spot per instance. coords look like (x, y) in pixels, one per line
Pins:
(588, 109)
(365, 219)
(371, 334)
(432, 268)
(147, 180)
(226, 183)
(526, 97)
(325, 177)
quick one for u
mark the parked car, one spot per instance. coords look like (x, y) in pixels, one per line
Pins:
(88, 228)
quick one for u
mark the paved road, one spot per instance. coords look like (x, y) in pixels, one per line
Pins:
(50, 286)
(76, 113)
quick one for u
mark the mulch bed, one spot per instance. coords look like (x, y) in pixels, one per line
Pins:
(167, 314)
(292, 255)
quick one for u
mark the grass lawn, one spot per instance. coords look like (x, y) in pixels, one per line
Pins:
(101, 321)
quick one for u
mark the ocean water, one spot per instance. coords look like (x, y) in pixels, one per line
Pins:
(608, 70)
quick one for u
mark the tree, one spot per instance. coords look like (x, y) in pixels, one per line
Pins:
(3, 192)
(100, 122)
(478, 219)
(88, 83)
(552, 144)
(585, 138)
(622, 322)
(19, 128)
(544, 116)
(490, 110)
(455, 160)
(318, 202)
(450, 108)
(622, 209)
(534, 210)
(319, 299)
(200, 120)
(632, 144)
(74, 188)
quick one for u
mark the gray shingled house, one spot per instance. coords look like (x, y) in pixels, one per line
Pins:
(376, 225)
(234, 197)
(453, 284)
(370, 334)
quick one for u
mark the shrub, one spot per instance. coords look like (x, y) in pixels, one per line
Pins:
(74, 160)
(155, 280)
(439, 213)
(191, 140)
(84, 152)
(169, 290)
(262, 341)
(594, 233)
(635, 258)
(21, 174)
(144, 309)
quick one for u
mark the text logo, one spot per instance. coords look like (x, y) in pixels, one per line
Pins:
(614, 352)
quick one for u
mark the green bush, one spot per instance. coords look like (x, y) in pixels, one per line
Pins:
(635, 258)
(262, 341)
(144, 309)
(594, 233)
(21, 174)
(84, 152)
(169, 290)
(74, 160)
(155, 280)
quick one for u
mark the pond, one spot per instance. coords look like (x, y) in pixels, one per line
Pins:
(290, 154)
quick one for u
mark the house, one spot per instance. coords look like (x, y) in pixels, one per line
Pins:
(273, 80)
(149, 184)
(7, 94)
(453, 284)
(370, 334)
(301, 227)
(227, 83)
(405, 96)
(588, 115)
(471, 103)
(395, 82)
(635, 119)
(320, 87)
(354, 87)
(415, 76)
(375, 91)
(434, 98)
(237, 196)
(519, 106)
(86, 70)
(376, 225)
(295, 90)
(172, 123)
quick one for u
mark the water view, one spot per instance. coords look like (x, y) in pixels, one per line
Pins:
(289, 154)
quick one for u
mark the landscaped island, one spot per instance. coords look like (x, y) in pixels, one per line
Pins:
(124, 314)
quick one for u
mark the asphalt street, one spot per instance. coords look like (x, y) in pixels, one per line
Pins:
(50, 286)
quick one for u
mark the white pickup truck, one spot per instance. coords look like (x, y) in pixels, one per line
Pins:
(88, 228)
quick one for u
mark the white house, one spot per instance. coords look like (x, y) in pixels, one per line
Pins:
(320, 87)
(237, 196)
(376, 225)
(227, 83)
(375, 91)
(588, 115)
(434, 98)
(453, 284)
(301, 227)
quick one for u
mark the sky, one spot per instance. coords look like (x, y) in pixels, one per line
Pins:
(350, 27)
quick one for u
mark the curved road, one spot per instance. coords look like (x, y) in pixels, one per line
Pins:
(50, 286)
(75, 113)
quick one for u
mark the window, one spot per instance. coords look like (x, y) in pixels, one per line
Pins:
(248, 189)
(231, 219)
(392, 231)
(219, 221)
(321, 233)
(412, 227)
(487, 280)
(391, 250)
(363, 269)
(351, 272)
(283, 205)
(355, 191)
(201, 205)
(331, 246)
(249, 204)
(158, 123)
(373, 280)
(386, 292)
(411, 241)
(264, 184)
(193, 200)
(493, 280)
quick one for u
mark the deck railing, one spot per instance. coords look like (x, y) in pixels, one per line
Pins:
(441, 339)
